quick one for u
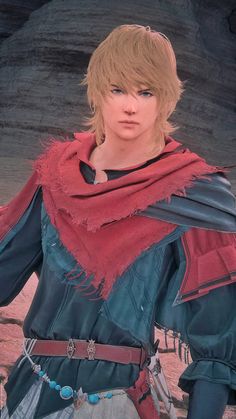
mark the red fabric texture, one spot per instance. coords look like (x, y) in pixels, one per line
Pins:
(94, 221)
(141, 397)
(93, 206)
(210, 262)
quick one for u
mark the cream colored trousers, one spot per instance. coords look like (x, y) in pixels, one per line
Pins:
(118, 407)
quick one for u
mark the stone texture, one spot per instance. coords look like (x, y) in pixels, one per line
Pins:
(44, 50)
(14, 13)
(44, 57)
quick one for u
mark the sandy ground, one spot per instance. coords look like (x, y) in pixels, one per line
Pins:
(11, 319)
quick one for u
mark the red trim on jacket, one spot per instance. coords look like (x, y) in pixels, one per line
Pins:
(210, 262)
(210, 255)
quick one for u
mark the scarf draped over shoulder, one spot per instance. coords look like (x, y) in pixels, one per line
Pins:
(97, 223)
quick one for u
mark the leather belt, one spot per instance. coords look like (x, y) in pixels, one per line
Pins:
(82, 349)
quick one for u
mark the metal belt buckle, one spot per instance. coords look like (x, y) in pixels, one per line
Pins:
(70, 350)
(91, 349)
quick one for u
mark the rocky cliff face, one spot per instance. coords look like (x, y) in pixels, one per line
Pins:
(14, 14)
(44, 52)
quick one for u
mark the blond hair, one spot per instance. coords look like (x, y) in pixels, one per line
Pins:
(130, 56)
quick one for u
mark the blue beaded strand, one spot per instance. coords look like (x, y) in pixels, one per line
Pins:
(67, 392)
(108, 395)
(52, 384)
(93, 398)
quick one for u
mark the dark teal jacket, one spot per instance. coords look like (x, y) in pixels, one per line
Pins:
(142, 297)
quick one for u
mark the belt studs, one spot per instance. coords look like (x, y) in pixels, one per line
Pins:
(70, 350)
(91, 350)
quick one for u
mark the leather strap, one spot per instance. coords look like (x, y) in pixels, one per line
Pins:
(141, 395)
(82, 349)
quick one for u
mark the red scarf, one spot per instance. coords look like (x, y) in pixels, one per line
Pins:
(97, 223)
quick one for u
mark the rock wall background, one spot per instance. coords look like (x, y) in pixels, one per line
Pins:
(45, 47)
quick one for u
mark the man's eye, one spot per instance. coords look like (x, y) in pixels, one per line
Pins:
(116, 91)
(146, 93)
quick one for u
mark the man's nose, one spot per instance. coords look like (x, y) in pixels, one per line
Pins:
(130, 105)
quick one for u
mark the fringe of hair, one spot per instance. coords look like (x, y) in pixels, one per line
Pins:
(130, 56)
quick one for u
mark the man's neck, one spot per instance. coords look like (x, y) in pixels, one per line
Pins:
(112, 155)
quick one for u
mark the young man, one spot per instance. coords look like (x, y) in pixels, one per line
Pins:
(126, 228)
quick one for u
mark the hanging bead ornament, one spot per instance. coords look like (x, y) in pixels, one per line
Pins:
(66, 392)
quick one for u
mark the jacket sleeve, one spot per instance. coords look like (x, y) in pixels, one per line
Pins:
(210, 262)
(20, 241)
(210, 312)
(210, 332)
(206, 323)
(209, 203)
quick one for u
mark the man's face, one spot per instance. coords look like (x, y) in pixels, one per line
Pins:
(129, 115)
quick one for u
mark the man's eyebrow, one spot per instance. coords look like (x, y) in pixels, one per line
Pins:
(146, 89)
